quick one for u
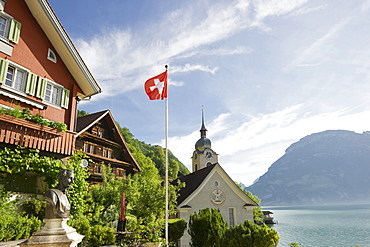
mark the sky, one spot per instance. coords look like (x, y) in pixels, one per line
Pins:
(266, 72)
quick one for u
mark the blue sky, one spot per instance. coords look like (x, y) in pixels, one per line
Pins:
(267, 72)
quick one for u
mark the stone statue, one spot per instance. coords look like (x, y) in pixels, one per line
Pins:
(57, 202)
(56, 232)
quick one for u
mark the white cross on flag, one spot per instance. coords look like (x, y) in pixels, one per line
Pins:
(156, 87)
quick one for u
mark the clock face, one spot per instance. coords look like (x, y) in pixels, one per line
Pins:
(217, 197)
(208, 155)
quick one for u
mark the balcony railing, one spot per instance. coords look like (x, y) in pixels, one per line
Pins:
(25, 133)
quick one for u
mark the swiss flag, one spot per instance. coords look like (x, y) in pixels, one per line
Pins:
(156, 87)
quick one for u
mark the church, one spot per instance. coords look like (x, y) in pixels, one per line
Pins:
(209, 186)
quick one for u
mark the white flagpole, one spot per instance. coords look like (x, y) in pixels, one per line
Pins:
(166, 168)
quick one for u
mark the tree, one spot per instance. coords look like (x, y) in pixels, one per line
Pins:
(249, 234)
(206, 228)
(257, 211)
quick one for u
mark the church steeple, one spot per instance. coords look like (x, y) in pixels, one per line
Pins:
(203, 142)
(203, 155)
(203, 129)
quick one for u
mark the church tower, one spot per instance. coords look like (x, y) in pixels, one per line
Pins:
(203, 155)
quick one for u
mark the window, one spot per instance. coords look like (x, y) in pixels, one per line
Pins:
(86, 147)
(120, 172)
(51, 56)
(52, 93)
(9, 28)
(92, 149)
(101, 132)
(231, 217)
(15, 78)
(98, 131)
(21, 79)
(107, 153)
(98, 169)
(2, 26)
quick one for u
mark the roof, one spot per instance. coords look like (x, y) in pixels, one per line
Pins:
(86, 122)
(192, 182)
(48, 21)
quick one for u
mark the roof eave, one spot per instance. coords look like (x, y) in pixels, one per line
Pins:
(55, 32)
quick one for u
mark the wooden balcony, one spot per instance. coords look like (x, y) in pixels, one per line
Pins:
(28, 134)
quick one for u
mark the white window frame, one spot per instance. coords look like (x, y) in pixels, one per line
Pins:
(92, 149)
(16, 68)
(86, 147)
(52, 56)
(55, 101)
(232, 218)
(8, 19)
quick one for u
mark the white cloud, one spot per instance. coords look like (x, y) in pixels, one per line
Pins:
(246, 152)
(192, 67)
(127, 57)
(315, 52)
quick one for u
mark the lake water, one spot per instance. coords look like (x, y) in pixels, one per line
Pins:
(324, 226)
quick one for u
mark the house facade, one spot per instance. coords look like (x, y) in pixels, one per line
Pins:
(98, 137)
(42, 72)
(209, 186)
(40, 69)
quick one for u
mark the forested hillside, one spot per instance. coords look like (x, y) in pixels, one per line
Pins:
(155, 153)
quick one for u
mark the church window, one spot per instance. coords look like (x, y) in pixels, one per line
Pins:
(231, 217)
(216, 183)
(209, 164)
(196, 167)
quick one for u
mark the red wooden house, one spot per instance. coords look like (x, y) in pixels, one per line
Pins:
(40, 69)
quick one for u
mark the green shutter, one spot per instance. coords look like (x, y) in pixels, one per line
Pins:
(65, 98)
(41, 87)
(31, 84)
(3, 69)
(14, 31)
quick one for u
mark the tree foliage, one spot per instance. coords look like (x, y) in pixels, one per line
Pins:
(249, 234)
(206, 227)
(156, 154)
(257, 211)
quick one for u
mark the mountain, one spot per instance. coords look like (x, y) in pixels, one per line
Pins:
(330, 167)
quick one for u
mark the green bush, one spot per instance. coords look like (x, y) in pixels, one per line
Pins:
(34, 207)
(249, 234)
(176, 228)
(95, 235)
(206, 228)
(101, 235)
(38, 119)
(12, 225)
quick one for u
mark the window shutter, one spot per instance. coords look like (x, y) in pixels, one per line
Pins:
(65, 98)
(31, 84)
(3, 69)
(41, 87)
(14, 31)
